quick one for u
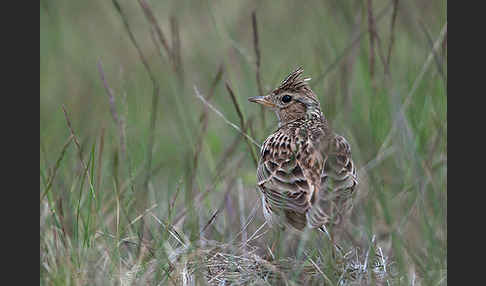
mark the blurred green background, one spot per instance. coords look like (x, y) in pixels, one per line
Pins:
(372, 63)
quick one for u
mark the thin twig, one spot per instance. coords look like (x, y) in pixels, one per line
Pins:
(243, 124)
(365, 264)
(372, 33)
(380, 49)
(134, 42)
(236, 105)
(431, 43)
(203, 118)
(174, 198)
(171, 230)
(213, 217)
(76, 142)
(56, 166)
(250, 218)
(117, 118)
(100, 157)
(154, 37)
(258, 62)
(392, 36)
(151, 18)
(176, 48)
(109, 92)
(319, 270)
(377, 160)
(143, 214)
(256, 231)
(198, 95)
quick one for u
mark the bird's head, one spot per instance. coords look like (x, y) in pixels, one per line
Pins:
(292, 100)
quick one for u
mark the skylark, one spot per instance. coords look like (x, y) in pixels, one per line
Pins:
(305, 171)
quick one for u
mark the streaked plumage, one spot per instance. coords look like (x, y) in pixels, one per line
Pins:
(305, 172)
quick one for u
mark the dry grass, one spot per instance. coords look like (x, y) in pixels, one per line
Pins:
(242, 264)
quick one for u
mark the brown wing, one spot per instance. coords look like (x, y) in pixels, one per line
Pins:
(342, 171)
(340, 180)
(283, 179)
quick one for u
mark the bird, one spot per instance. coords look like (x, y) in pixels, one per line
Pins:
(305, 173)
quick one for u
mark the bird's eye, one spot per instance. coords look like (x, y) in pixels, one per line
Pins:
(286, 98)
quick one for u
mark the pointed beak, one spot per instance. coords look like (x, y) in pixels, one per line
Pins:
(264, 100)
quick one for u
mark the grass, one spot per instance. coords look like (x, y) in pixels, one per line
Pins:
(148, 142)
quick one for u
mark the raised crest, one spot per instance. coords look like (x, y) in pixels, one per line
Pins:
(293, 82)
